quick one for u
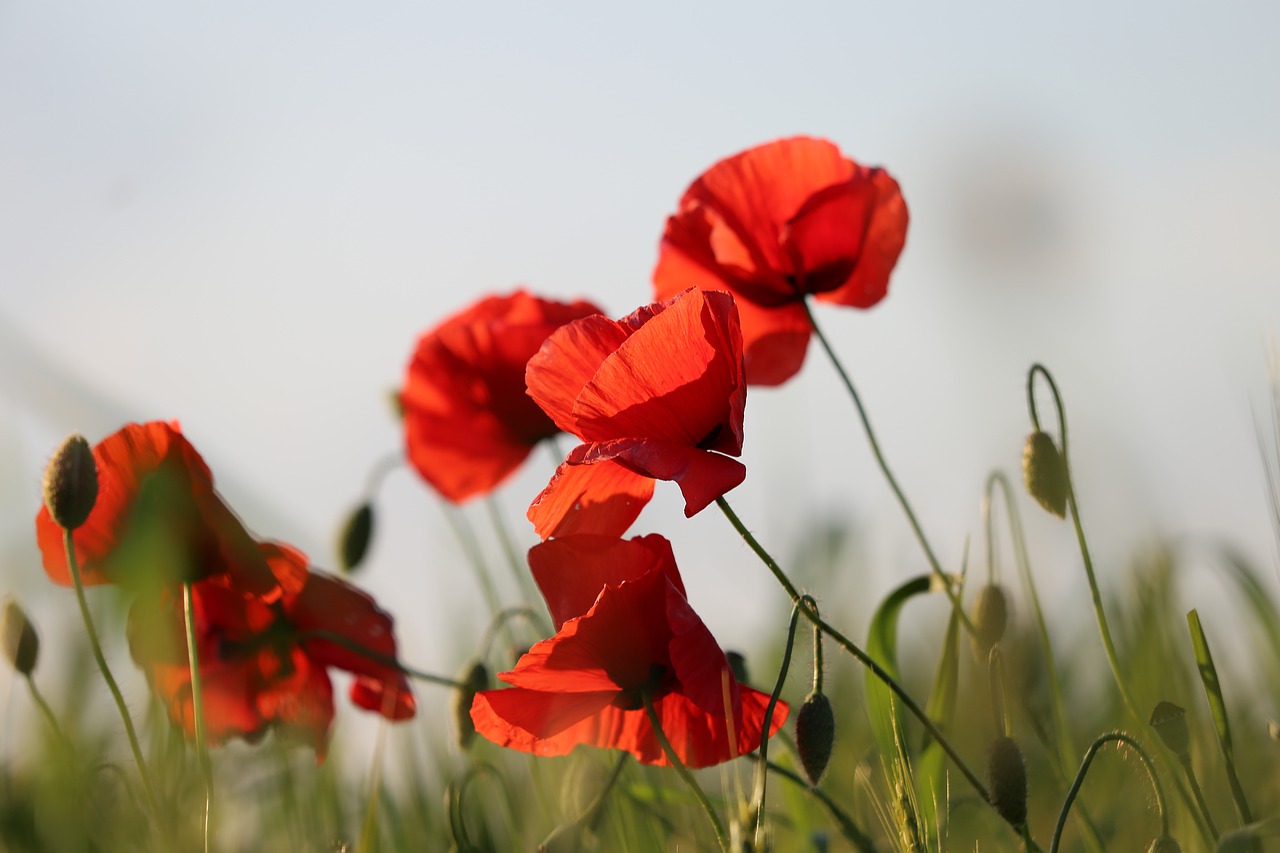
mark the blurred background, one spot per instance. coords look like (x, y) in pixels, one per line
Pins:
(243, 215)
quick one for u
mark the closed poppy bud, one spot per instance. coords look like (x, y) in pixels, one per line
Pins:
(474, 680)
(21, 643)
(1007, 778)
(1164, 844)
(990, 616)
(1045, 473)
(738, 666)
(71, 483)
(353, 544)
(815, 735)
(1170, 723)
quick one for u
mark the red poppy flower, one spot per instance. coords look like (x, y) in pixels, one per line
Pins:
(775, 224)
(157, 519)
(265, 665)
(658, 395)
(624, 629)
(468, 422)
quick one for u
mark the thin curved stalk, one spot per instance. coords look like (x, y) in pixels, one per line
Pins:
(684, 774)
(1147, 765)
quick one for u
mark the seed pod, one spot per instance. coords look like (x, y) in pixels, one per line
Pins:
(815, 735)
(1170, 723)
(1045, 473)
(990, 617)
(475, 679)
(21, 643)
(353, 543)
(1164, 844)
(71, 483)
(1007, 778)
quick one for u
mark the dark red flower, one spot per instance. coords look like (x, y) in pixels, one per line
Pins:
(624, 630)
(157, 519)
(265, 664)
(468, 422)
(775, 224)
(658, 395)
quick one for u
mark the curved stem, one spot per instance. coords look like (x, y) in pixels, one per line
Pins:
(698, 793)
(197, 702)
(74, 565)
(519, 568)
(588, 815)
(378, 657)
(888, 475)
(49, 717)
(759, 795)
(848, 828)
(849, 646)
(1098, 743)
(1103, 629)
(500, 620)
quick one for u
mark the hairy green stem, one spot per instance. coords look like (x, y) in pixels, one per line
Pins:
(377, 657)
(757, 799)
(1098, 743)
(684, 773)
(848, 828)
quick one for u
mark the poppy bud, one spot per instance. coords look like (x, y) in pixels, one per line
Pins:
(21, 643)
(990, 616)
(1007, 778)
(71, 483)
(353, 543)
(737, 665)
(1045, 473)
(473, 681)
(1273, 729)
(1170, 723)
(815, 734)
(1164, 844)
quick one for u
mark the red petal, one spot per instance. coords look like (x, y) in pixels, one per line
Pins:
(774, 341)
(882, 243)
(701, 475)
(603, 498)
(572, 570)
(540, 723)
(556, 375)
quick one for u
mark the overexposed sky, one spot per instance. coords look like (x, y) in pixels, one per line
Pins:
(242, 215)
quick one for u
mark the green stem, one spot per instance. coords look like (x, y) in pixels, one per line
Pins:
(589, 813)
(758, 798)
(1203, 806)
(369, 829)
(848, 828)
(848, 645)
(377, 657)
(519, 568)
(888, 475)
(1101, 741)
(49, 716)
(74, 565)
(684, 773)
(471, 547)
(197, 701)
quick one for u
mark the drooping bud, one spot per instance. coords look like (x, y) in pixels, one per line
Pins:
(353, 542)
(475, 679)
(71, 483)
(1164, 844)
(815, 735)
(738, 666)
(1045, 473)
(990, 617)
(1007, 778)
(1170, 723)
(21, 643)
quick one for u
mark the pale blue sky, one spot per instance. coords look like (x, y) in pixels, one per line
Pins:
(242, 215)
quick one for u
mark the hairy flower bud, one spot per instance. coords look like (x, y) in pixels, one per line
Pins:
(1045, 473)
(475, 679)
(990, 616)
(353, 542)
(21, 643)
(815, 735)
(1007, 778)
(71, 483)
(1170, 723)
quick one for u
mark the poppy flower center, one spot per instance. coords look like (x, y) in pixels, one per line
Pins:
(632, 698)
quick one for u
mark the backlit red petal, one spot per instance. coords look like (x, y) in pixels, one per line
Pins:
(604, 498)
(571, 355)
(572, 570)
(701, 475)
(882, 243)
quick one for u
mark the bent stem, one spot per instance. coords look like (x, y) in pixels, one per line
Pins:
(698, 793)
(197, 701)
(848, 645)
(74, 565)
(519, 568)
(757, 799)
(378, 657)
(934, 565)
(1102, 740)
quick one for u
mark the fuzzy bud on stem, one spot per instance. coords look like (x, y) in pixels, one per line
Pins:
(21, 643)
(1007, 779)
(815, 735)
(1170, 723)
(1045, 473)
(71, 483)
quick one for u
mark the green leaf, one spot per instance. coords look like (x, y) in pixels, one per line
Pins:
(1218, 710)
(882, 646)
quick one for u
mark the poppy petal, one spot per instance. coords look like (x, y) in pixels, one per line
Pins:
(774, 341)
(882, 242)
(570, 571)
(701, 475)
(571, 355)
(604, 498)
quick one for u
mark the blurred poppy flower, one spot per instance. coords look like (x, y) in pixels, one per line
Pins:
(777, 223)
(157, 519)
(265, 665)
(658, 395)
(624, 630)
(468, 422)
